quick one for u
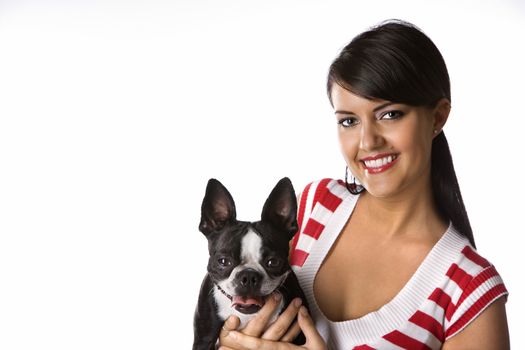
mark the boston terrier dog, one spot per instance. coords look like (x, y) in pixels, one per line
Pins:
(248, 260)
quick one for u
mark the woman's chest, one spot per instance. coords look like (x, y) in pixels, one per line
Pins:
(359, 276)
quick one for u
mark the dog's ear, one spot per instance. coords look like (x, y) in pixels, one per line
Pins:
(280, 209)
(217, 208)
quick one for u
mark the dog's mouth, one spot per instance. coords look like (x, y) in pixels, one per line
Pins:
(247, 305)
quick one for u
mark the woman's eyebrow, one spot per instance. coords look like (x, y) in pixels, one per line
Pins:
(386, 104)
(381, 106)
(343, 112)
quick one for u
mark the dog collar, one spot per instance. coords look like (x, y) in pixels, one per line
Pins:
(223, 292)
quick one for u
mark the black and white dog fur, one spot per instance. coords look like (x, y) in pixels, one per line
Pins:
(248, 260)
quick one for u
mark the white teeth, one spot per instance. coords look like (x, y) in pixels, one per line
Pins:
(376, 163)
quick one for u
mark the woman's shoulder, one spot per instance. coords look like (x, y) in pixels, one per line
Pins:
(473, 283)
(325, 182)
(328, 190)
(317, 205)
(467, 255)
(463, 258)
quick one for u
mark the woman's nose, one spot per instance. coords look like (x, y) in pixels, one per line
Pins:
(371, 137)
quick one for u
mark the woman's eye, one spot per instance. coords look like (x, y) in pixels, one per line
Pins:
(347, 122)
(225, 262)
(391, 115)
(273, 262)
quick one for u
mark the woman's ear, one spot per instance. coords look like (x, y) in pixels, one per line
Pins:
(441, 112)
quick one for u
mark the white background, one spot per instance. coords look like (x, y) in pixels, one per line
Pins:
(114, 114)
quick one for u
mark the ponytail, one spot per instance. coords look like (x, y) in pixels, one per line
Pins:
(445, 188)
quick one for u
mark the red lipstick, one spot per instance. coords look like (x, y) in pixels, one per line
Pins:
(381, 168)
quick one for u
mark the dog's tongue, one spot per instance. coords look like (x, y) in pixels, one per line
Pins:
(247, 300)
(247, 305)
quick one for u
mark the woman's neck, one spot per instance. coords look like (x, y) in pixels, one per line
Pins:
(408, 212)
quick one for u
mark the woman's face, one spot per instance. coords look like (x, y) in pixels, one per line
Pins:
(387, 146)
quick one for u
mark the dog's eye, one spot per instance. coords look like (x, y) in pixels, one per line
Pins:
(225, 262)
(273, 262)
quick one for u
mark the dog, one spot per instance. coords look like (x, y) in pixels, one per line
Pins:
(248, 261)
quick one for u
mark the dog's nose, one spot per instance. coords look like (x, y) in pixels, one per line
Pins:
(249, 278)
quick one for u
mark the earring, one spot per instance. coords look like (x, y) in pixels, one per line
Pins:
(353, 187)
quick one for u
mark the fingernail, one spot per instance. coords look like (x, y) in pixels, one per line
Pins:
(277, 296)
(297, 302)
(303, 311)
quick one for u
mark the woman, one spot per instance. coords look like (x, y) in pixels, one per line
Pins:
(387, 261)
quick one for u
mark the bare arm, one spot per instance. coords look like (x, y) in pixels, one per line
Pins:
(488, 331)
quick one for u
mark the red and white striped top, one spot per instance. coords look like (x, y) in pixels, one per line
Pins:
(450, 288)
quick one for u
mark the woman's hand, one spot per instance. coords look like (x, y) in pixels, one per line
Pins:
(257, 334)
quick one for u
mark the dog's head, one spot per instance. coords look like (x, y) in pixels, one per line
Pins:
(248, 260)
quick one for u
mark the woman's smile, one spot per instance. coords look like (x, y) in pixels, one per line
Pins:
(379, 163)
